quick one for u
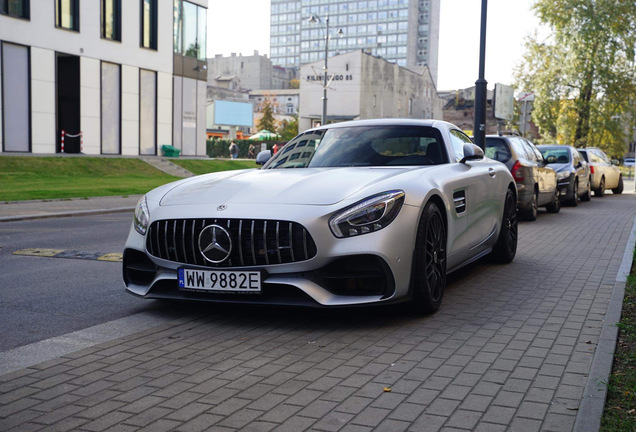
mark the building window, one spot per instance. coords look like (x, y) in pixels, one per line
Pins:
(147, 112)
(67, 14)
(190, 29)
(15, 101)
(111, 108)
(15, 8)
(111, 19)
(149, 24)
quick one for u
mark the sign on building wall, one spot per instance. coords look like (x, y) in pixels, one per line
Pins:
(504, 102)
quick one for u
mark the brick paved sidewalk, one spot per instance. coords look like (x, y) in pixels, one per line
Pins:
(510, 349)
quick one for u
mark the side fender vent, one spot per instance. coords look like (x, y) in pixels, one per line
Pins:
(459, 199)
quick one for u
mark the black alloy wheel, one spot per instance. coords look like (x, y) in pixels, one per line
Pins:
(574, 200)
(429, 261)
(555, 205)
(601, 189)
(531, 213)
(588, 193)
(619, 188)
(506, 247)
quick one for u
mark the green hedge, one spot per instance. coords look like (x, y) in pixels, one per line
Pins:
(220, 148)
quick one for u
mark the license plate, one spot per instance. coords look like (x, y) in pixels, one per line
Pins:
(220, 280)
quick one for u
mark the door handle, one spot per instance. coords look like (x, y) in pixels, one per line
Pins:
(491, 172)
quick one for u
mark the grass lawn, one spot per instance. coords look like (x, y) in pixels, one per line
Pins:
(25, 178)
(199, 166)
(620, 406)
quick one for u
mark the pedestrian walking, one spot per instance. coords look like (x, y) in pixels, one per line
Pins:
(234, 150)
(251, 152)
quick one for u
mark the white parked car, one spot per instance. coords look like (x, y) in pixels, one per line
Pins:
(372, 211)
(605, 173)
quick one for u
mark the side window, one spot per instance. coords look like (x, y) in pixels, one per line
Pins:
(458, 139)
(497, 149)
(535, 150)
(603, 156)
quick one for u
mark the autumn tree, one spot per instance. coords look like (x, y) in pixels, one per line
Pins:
(288, 129)
(267, 121)
(582, 73)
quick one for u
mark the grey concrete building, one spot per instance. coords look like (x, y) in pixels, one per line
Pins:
(405, 32)
(365, 87)
(255, 72)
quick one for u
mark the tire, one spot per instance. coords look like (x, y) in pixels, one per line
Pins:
(618, 189)
(574, 199)
(588, 194)
(531, 214)
(601, 189)
(429, 261)
(506, 247)
(555, 205)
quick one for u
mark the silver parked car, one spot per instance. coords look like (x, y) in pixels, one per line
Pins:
(605, 173)
(536, 181)
(573, 172)
(355, 213)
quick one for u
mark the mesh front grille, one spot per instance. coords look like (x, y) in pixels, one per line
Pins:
(255, 242)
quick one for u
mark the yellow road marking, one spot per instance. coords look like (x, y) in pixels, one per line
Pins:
(39, 252)
(114, 257)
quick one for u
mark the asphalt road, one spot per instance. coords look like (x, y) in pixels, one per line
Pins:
(45, 297)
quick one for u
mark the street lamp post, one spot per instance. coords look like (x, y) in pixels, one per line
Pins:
(479, 129)
(325, 83)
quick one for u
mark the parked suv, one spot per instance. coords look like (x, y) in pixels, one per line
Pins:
(605, 174)
(573, 173)
(536, 181)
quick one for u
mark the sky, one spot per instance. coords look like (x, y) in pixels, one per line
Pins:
(242, 26)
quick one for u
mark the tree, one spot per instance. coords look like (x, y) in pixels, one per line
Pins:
(582, 74)
(294, 83)
(267, 121)
(288, 129)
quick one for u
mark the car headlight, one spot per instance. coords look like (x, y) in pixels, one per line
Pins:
(563, 175)
(369, 215)
(142, 215)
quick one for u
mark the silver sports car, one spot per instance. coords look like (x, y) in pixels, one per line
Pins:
(354, 213)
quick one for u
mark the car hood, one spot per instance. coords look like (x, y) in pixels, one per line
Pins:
(305, 186)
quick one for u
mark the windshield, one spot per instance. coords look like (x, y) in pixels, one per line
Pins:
(561, 155)
(363, 146)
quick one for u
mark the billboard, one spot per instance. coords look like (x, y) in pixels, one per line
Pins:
(228, 113)
(504, 102)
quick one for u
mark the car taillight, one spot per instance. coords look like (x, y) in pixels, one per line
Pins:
(517, 172)
(591, 169)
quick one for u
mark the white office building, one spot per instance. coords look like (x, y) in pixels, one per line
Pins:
(118, 77)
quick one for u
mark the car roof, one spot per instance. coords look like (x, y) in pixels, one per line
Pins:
(388, 122)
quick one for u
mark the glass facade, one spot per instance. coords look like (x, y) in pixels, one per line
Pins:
(190, 29)
(381, 27)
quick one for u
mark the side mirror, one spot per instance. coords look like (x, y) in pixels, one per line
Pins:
(472, 152)
(615, 162)
(263, 156)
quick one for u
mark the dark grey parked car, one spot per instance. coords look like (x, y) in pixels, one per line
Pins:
(573, 172)
(536, 181)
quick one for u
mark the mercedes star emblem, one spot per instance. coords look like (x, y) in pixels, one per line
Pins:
(215, 243)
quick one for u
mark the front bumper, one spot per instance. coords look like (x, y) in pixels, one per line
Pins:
(366, 269)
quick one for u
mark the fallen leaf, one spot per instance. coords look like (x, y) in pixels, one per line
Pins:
(387, 389)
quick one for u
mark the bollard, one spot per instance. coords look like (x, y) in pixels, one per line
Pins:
(62, 142)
